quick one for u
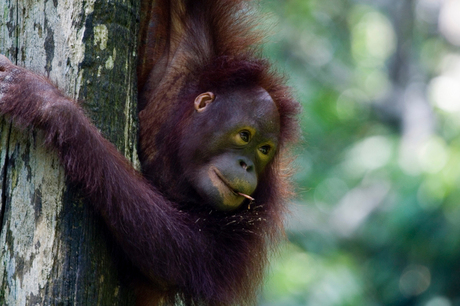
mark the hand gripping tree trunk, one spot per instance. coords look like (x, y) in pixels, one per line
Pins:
(53, 249)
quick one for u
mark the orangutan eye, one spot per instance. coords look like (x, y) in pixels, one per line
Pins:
(245, 136)
(265, 150)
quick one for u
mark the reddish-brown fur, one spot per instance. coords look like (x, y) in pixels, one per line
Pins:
(185, 250)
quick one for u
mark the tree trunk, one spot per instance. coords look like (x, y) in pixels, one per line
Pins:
(53, 248)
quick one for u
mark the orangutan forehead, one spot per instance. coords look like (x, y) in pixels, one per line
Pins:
(251, 107)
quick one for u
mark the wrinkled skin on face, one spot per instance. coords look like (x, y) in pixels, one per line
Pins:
(233, 137)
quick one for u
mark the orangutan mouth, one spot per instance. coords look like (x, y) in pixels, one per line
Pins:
(227, 184)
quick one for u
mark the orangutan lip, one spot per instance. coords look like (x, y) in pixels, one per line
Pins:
(226, 183)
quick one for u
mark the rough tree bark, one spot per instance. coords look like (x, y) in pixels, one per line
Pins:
(53, 249)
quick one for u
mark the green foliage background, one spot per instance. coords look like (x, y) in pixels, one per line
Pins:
(377, 217)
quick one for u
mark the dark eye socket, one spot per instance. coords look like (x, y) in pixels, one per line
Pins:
(265, 150)
(245, 136)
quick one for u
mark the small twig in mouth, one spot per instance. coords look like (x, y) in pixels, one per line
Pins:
(246, 196)
(251, 199)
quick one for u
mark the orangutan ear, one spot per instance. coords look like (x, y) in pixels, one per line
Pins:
(203, 100)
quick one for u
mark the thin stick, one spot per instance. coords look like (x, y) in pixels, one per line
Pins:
(246, 196)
